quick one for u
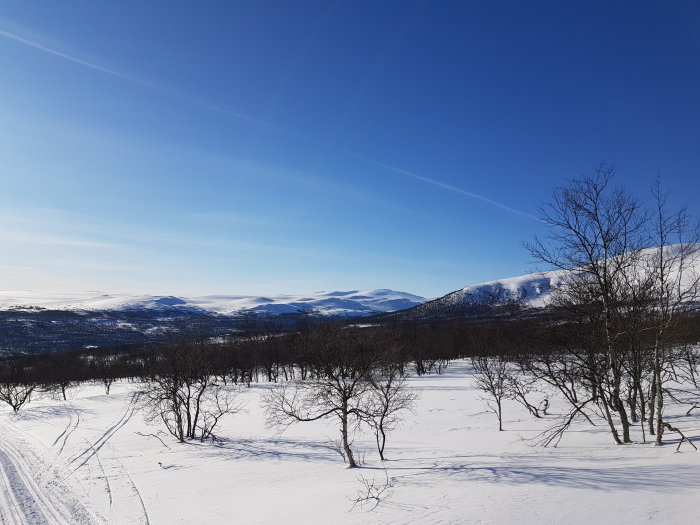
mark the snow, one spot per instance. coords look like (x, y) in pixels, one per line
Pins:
(93, 459)
(324, 303)
(536, 289)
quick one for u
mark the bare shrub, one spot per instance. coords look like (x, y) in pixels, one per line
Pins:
(16, 394)
(185, 396)
(372, 491)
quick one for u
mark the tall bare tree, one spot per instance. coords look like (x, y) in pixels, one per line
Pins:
(337, 388)
(627, 281)
(595, 238)
(674, 287)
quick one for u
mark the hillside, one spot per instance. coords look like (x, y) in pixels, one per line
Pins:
(523, 294)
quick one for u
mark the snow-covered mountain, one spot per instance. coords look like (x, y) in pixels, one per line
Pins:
(533, 290)
(527, 292)
(490, 298)
(37, 322)
(345, 304)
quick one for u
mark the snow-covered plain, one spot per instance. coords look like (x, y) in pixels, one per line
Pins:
(91, 460)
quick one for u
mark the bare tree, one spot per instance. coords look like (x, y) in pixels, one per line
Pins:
(521, 387)
(185, 396)
(339, 387)
(628, 282)
(388, 400)
(491, 375)
(595, 239)
(16, 394)
(675, 285)
(105, 369)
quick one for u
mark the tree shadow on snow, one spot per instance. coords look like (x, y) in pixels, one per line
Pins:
(44, 413)
(626, 478)
(442, 388)
(275, 448)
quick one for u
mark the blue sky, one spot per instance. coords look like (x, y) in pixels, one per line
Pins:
(287, 147)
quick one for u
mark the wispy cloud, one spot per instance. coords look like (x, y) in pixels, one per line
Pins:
(54, 240)
(54, 227)
(44, 227)
(448, 187)
(219, 109)
(66, 56)
(58, 49)
(227, 218)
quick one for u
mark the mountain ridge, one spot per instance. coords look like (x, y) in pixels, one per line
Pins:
(527, 293)
(334, 303)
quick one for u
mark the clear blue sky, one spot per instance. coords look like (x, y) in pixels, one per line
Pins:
(263, 147)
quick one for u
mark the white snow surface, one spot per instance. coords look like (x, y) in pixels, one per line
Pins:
(324, 303)
(536, 288)
(93, 460)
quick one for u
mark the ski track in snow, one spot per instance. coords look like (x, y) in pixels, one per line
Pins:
(145, 520)
(67, 433)
(34, 494)
(65, 436)
(120, 488)
(25, 501)
(93, 448)
(107, 483)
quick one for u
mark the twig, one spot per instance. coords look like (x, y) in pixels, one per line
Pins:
(155, 436)
(371, 491)
(683, 437)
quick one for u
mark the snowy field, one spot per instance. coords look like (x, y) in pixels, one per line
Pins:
(92, 460)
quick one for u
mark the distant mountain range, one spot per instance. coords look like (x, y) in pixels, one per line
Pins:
(38, 322)
(35, 322)
(328, 304)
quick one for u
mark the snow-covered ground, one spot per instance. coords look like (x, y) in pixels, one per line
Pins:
(92, 459)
